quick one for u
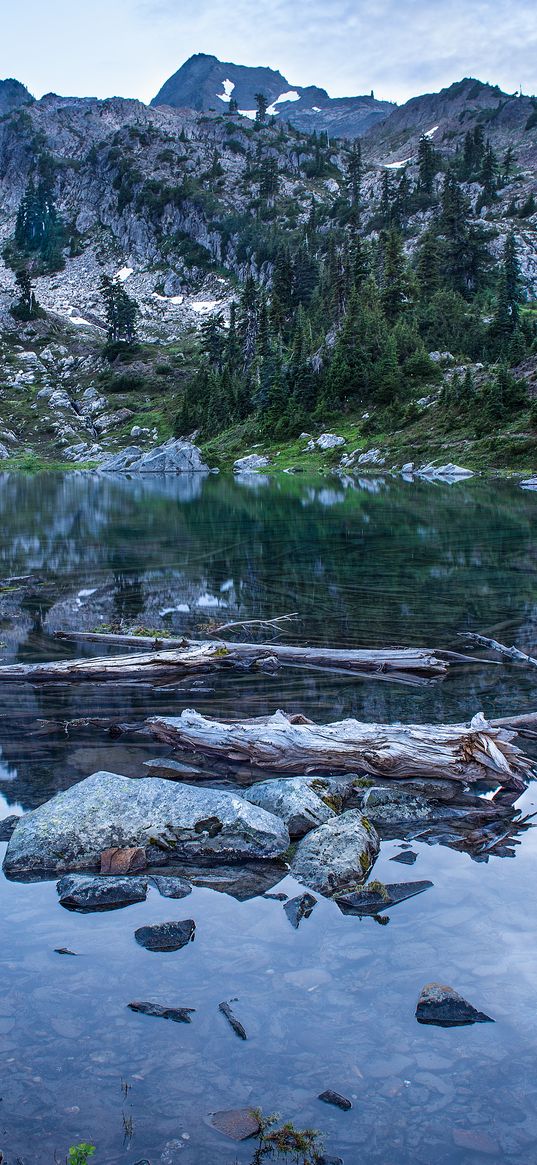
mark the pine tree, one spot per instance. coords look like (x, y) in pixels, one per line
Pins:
(120, 311)
(261, 108)
(488, 175)
(427, 167)
(27, 307)
(395, 281)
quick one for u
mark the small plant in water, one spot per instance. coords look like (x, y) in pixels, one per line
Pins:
(80, 1154)
(285, 1143)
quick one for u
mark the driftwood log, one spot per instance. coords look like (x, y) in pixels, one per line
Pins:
(391, 662)
(292, 744)
(149, 665)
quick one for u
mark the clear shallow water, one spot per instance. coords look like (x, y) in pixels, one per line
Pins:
(332, 1004)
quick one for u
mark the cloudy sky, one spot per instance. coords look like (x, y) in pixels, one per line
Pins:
(398, 47)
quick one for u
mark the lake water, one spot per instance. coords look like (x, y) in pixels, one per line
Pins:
(330, 1005)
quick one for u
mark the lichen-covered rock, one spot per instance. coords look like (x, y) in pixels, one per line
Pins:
(338, 855)
(170, 820)
(292, 799)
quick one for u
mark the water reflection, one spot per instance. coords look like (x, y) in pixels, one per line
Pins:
(330, 1005)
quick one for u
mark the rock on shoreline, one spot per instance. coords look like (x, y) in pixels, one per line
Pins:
(170, 820)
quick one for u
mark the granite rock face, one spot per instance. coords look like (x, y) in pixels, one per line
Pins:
(168, 819)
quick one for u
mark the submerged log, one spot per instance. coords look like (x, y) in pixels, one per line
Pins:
(293, 744)
(392, 661)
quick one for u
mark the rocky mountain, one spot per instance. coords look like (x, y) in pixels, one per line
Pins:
(186, 208)
(13, 95)
(206, 84)
(445, 117)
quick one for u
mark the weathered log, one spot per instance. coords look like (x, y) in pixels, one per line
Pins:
(394, 661)
(147, 665)
(512, 653)
(292, 744)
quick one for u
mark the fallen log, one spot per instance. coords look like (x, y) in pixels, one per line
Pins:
(394, 661)
(147, 665)
(512, 653)
(292, 744)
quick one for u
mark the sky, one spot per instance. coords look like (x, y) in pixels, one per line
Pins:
(399, 48)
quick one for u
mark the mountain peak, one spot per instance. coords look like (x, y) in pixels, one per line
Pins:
(13, 95)
(206, 84)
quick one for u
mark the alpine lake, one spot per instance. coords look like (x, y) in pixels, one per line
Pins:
(330, 1004)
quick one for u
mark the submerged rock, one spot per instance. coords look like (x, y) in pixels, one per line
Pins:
(335, 1098)
(177, 1014)
(170, 769)
(336, 855)
(166, 936)
(376, 897)
(441, 1005)
(171, 821)
(407, 857)
(86, 893)
(236, 1123)
(171, 887)
(235, 1023)
(293, 800)
(298, 908)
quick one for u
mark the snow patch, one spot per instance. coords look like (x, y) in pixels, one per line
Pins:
(123, 274)
(203, 306)
(316, 109)
(397, 165)
(228, 87)
(431, 132)
(208, 600)
(175, 299)
(291, 95)
(251, 113)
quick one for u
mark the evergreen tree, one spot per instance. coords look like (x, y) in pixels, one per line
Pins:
(120, 311)
(395, 280)
(27, 307)
(427, 167)
(261, 108)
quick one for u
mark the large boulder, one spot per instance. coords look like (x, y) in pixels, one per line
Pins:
(174, 456)
(251, 463)
(385, 806)
(171, 821)
(292, 799)
(337, 855)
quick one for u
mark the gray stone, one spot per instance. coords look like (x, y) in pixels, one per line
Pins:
(376, 897)
(335, 1098)
(338, 855)
(251, 463)
(174, 456)
(7, 826)
(441, 1005)
(292, 799)
(298, 908)
(86, 893)
(166, 936)
(175, 821)
(177, 1014)
(172, 887)
(388, 806)
(111, 420)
